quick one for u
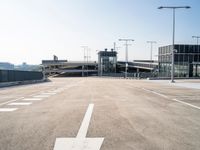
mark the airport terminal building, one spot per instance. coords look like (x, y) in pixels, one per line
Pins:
(186, 61)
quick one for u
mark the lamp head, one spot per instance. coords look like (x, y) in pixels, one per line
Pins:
(161, 7)
(187, 7)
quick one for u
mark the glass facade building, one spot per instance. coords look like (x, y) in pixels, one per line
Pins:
(186, 61)
(107, 62)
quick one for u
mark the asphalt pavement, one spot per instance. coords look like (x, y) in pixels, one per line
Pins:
(99, 114)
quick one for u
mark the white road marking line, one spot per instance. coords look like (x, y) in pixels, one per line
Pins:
(58, 90)
(53, 91)
(7, 109)
(7, 96)
(80, 142)
(49, 93)
(185, 103)
(85, 123)
(11, 101)
(155, 93)
(41, 96)
(35, 93)
(20, 103)
(32, 99)
(62, 89)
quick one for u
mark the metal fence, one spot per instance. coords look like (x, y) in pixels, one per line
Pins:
(140, 75)
(15, 75)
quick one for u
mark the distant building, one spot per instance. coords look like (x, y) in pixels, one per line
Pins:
(107, 62)
(26, 67)
(186, 60)
(58, 67)
(55, 58)
(147, 67)
(6, 66)
(54, 61)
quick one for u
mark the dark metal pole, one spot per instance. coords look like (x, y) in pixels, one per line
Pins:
(173, 41)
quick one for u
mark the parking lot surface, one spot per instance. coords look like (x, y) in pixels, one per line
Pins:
(104, 113)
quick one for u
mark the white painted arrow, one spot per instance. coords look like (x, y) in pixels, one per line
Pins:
(80, 142)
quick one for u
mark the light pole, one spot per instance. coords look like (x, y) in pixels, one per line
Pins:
(196, 37)
(116, 48)
(173, 36)
(151, 42)
(126, 56)
(88, 58)
(100, 63)
(85, 49)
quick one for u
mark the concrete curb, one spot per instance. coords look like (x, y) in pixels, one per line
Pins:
(167, 78)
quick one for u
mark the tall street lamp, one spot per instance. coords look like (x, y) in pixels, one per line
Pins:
(126, 56)
(173, 38)
(151, 42)
(85, 49)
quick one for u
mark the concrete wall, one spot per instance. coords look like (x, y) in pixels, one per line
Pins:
(15, 75)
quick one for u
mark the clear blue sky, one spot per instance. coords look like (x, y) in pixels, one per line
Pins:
(32, 30)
